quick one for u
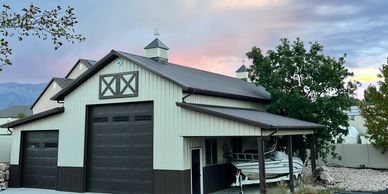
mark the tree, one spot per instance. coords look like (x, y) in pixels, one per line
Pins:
(307, 85)
(56, 24)
(374, 108)
(21, 115)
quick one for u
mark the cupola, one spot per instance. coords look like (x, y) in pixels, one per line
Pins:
(242, 73)
(157, 50)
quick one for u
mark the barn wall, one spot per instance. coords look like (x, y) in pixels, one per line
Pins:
(217, 101)
(171, 123)
(77, 71)
(44, 103)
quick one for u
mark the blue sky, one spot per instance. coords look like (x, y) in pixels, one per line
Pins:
(212, 35)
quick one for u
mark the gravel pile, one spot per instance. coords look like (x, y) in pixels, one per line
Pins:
(358, 179)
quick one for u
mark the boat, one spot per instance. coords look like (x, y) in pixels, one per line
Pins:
(276, 167)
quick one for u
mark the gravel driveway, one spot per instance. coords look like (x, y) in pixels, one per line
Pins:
(359, 179)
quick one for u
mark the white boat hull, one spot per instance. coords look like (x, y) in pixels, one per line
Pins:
(275, 170)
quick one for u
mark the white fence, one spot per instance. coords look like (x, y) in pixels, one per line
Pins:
(359, 155)
(5, 148)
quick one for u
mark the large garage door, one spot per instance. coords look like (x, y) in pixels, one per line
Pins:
(39, 164)
(120, 148)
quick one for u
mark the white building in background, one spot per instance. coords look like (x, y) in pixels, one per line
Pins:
(356, 127)
(7, 115)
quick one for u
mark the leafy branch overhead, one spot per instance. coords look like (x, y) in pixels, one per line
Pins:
(56, 25)
(306, 84)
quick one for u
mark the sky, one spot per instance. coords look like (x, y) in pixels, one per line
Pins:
(212, 35)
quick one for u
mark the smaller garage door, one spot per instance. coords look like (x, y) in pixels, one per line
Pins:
(39, 164)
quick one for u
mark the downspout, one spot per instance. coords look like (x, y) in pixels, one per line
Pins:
(9, 130)
(184, 97)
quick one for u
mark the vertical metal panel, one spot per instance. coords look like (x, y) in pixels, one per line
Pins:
(201, 124)
(217, 177)
(172, 181)
(14, 175)
(70, 179)
(228, 102)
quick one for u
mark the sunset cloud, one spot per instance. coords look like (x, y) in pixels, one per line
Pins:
(210, 35)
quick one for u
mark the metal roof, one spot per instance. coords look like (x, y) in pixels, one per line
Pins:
(33, 117)
(13, 111)
(261, 119)
(62, 82)
(87, 62)
(190, 79)
(156, 44)
(243, 68)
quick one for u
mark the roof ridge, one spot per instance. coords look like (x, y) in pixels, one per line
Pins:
(184, 66)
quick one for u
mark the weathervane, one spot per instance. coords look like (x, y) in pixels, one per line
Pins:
(156, 33)
(243, 61)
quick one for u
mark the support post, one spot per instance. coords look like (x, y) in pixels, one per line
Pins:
(290, 164)
(260, 146)
(313, 155)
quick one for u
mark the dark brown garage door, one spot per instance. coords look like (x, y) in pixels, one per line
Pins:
(120, 148)
(39, 164)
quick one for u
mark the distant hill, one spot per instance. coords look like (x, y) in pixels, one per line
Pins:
(19, 94)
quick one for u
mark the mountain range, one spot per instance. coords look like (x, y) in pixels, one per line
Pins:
(19, 93)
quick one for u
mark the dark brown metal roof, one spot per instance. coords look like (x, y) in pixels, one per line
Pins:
(34, 117)
(243, 68)
(261, 119)
(156, 44)
(190, 79)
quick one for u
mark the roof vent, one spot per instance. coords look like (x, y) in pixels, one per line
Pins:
(242, 73)
(157, 50)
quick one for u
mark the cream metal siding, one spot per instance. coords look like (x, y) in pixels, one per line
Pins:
(217, 101)
(44, 103)
(242, 75)
(195, 124)
(49, 123)
(167, 141)
(156, 52)
(77, 71)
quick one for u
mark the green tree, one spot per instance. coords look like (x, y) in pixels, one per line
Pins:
(21, 115)
(307, 85)
(374, 108)
(56, 24)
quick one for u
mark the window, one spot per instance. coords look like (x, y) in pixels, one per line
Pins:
(51, 145)
(143, 118)
(236, 144)
(211, 151)
(100, 119)
(120, 118)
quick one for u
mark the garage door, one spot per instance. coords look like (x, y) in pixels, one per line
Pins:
(39, 164)
(120, 148)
